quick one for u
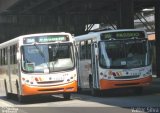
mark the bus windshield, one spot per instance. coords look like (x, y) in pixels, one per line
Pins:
(40, 58)
(124, 53)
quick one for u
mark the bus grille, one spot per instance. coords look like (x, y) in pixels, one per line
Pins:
(127, 84)
(127, 77)
(57, 89)
(49, 82)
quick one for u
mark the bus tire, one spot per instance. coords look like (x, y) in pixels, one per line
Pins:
(8, 95)
(19, 96)
(79, 90)
(94, 92)
(67, 96)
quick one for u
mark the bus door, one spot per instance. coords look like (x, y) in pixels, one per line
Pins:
(78, 64)
(94, 70)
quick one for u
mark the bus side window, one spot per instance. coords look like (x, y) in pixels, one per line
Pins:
(82, 50)
(14, 54)
(6, 56)
(0, 57)
(88, 49)
(3, 56)
(11, 54)
(13, 51)
(78, 49)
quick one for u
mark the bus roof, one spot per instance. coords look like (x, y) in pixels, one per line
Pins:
(96, 34)
(40, 34)
(15, 40)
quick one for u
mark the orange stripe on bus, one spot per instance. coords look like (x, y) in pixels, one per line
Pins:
(109, 84)
(34, 90)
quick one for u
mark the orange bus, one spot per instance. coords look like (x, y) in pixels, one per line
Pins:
(113, 59)
(41, 63)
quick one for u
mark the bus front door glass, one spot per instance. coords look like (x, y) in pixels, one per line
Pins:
(123, 54)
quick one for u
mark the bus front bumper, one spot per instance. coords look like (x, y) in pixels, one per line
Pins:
(111, 84)
(35, 90)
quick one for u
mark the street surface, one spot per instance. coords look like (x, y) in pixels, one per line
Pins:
(119, 101)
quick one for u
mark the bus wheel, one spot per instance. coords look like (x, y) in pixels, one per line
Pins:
(66, 96)
(8, 95)
(94, 92)
(19, 96)
(79, 90)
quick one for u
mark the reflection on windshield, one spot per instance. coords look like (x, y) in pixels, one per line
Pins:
(123, 54)
(41, 57)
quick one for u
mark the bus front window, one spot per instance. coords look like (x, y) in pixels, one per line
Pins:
(136, 52)
(52, 57)
(123, 54)
(35, 58)
(60, 57)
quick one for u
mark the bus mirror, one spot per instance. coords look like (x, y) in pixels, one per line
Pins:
(18, 56)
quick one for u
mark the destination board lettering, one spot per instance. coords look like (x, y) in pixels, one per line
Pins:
(45, 39)
(122, 35)
(51, 39)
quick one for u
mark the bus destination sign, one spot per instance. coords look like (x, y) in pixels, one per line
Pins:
(45, 39)
(123, 35)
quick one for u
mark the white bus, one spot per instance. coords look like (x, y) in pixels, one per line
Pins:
(41, 63)
(113, 59)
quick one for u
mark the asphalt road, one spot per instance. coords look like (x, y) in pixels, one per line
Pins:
(119, 101)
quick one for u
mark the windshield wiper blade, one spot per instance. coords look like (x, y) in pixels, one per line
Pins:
(56, 49)
(39, 50)
(42, 54)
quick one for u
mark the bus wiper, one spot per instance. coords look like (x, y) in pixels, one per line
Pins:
(39, 50)
(56, 49)
(42, 54)
(54, 54)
